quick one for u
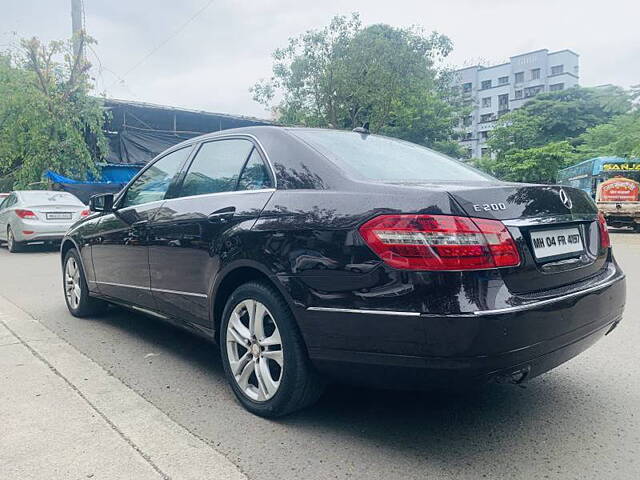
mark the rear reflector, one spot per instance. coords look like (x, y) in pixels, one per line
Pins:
(440, 242)
(28, 232)
(605, 241)
(25, 213)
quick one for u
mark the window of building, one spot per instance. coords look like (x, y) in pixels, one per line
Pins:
(485, 151)
(468, 135)
(466, 87)
(557, 69)
(486, 102)
(466, 121)
(518, 94)
(216, 167)
(535, 74)
(556, 87)
(519, 77)
(503, 80)
(532, 91)
(485, 84)
(484, 135)
(503, 101)
(487, 117)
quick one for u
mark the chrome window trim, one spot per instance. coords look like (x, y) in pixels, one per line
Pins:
(232, 192)
(478, 313)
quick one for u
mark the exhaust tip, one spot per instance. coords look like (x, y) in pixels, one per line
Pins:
(515, 377)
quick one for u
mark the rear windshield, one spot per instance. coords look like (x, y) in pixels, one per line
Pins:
(386, 159)
(47, 197)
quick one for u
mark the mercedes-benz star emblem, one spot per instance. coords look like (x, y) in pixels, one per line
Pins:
(564, 198)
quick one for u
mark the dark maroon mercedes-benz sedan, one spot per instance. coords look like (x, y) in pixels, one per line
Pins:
(311, 254)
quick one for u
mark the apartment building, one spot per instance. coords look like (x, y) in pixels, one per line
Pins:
(494, 91)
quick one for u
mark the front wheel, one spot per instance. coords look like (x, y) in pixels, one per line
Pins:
(76, 292)
(263, 353)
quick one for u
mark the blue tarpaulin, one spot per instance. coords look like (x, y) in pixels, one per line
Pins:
(112, 179)
(108, 174)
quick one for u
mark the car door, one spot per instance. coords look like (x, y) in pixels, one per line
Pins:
(5, 205)
(120, 252)
(223, 192)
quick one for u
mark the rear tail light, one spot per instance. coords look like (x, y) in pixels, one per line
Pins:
(85, 213)
(25, 213)
(440, 242)
(605, 241)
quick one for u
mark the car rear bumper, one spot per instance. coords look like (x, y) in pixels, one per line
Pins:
(41, 232)
(401, 349)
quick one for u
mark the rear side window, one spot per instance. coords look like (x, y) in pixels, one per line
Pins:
(153, 183)
(254, 175)
(217, 167)
(7, 202)
(373, 157)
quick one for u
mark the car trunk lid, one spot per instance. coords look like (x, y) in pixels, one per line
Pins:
(57, 213)
(555, 228)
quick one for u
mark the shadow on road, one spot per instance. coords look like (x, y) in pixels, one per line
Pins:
(416, 423)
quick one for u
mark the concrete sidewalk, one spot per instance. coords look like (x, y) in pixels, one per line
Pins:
(63, 417)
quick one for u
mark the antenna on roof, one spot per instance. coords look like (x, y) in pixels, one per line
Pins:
(364, 129)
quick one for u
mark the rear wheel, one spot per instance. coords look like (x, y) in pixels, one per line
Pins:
(263, 353)
(12, 245)
(76, 292)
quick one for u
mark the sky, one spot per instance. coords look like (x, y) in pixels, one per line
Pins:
(206, 54)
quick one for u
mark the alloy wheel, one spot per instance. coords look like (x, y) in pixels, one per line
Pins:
(72, 287)
(254, 350)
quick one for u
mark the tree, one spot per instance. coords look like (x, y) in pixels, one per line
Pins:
(533, 142)
(533, 165)
(557, 116)
(47, 119)
(345, 75)
(620, 138)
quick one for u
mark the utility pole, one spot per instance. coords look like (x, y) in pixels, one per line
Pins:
(77, 27)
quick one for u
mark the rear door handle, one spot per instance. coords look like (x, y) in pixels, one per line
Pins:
(222, 215)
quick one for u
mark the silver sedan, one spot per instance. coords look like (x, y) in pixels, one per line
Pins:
(31, 216)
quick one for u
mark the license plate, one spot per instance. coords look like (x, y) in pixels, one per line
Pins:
(59, 216)
(560, 241)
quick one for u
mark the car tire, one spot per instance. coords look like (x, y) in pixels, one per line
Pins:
(76, 292)
(12, 245)
(298, 384)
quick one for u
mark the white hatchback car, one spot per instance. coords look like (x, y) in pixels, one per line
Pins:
(31, 216)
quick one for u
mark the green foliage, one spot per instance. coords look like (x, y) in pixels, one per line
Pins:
(620, 138)
(532, 165)
(47, 118)
(557, 116)
(345, 75)
(555, 130)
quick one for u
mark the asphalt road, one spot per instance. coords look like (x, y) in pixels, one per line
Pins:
(579, 421)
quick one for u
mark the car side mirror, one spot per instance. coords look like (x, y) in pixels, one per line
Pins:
(101, 203)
